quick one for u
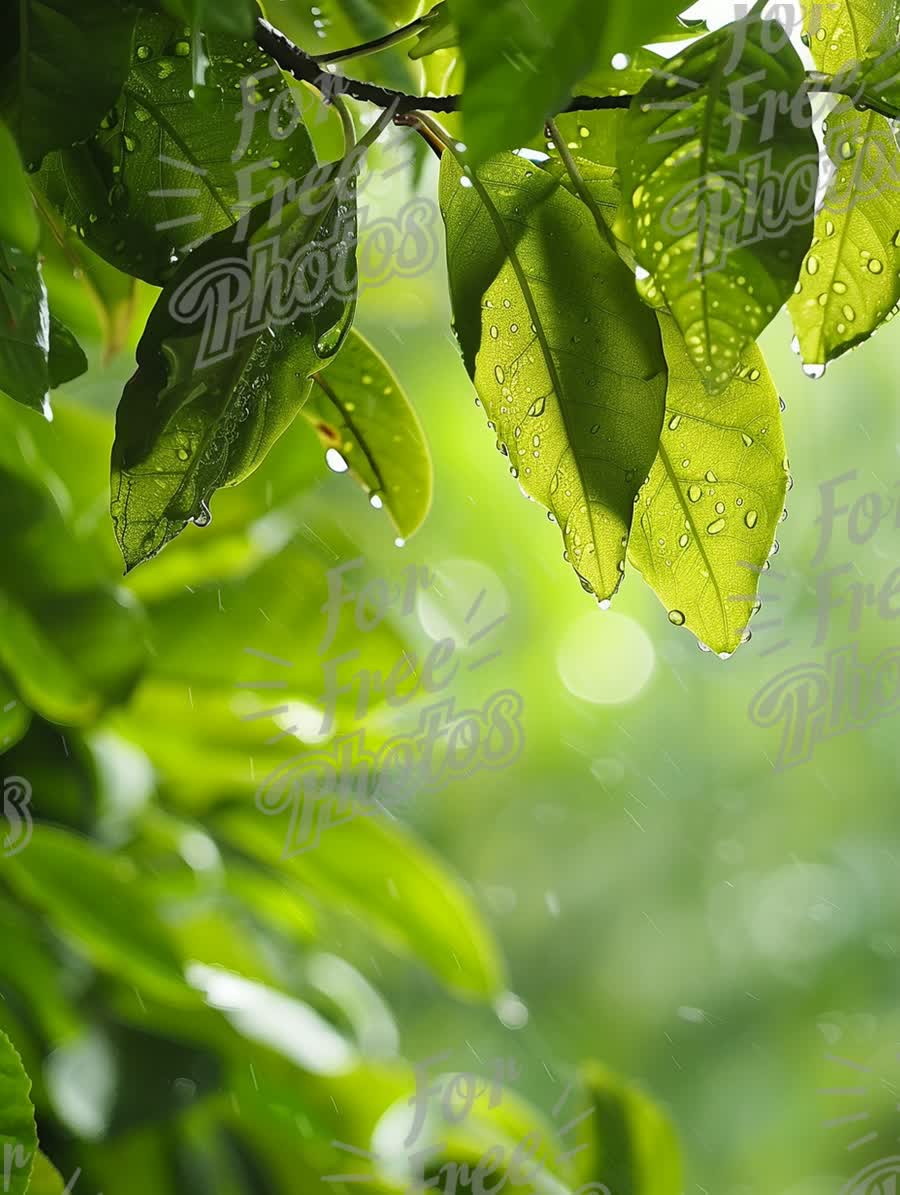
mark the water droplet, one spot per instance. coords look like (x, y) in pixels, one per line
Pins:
(143, 53)
(751, 518)
(875, 266)
(183, 454)
(376, 500)
(710, 476)
(335, 461)
(695, 493)
(499, 374)
(720, 508)
(748, 440)
(674, 422)
(715, 527)
(203, 518)
(812, 264)
(182, 49)
(814, 371)
(495, 331)
(537, 408)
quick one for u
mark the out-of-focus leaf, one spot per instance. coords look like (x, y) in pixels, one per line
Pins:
(169, 171)
(18, 221)
(45, 1178)
(383, 875)
(18, 1134)
(850, 280)
(24, 331)
(722, 243)
(522, 61)
(14, 716)
(567, 361)
(632, 1145)
(62, 773)
(71, 62)
(236, 17)
(91, 898)
(215, 389)
(358, 410)
(438, 32)
(706, 519)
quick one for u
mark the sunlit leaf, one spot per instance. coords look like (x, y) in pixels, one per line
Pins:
(169, 170)
(91, 897)
(18, 1135)
(71, 62)
(45, 1178)
(849, 284)
(720, 185)
(706, 519)
(215, 387)
(566, 360)
(359, 411)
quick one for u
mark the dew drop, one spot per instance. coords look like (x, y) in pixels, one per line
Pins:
(676, 618)
(751, 518)
(695, 493)
(814, 371)
(335, 461)
(715, 527)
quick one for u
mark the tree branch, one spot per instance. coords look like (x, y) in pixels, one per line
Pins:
(305, 68)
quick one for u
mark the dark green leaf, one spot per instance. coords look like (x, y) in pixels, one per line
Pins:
(218, 382)
(523, 60)
(71, 63)
(24, 331)
(169, 170)
(18, 1134)
(66, 359)
(567, 361)
(358, 410)
(706, 518)
(236, 17)
(720, 183)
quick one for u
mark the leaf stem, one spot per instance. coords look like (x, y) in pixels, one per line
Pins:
(374, 46)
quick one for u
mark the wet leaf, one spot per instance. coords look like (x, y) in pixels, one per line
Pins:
(359, 411)
(71, 61)
(706, 519)
(720, 185)
(169, 169)
(24, 330)
(849, 283)
(217, 383)
(565, 358)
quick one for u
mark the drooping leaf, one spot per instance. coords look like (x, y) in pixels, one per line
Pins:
(24, 331)
(632, 1144)
(565, 358)
(357, 409)
(168, 171)
(849, 283)
(218, 382)
(18, 1133)
(706, 519)
(92, 898)
(18, 221)
(720, 185)
(71, 62)
(66, 359)
(523, 60)
(380, 872)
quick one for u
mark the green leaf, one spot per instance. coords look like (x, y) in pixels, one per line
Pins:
(24, 331)
(18, 1134)
(169, 170)
(236, 17)
(66, 359)
(720, 185)
(438, 32)
(849, 284)
(523, 60)
(358, 409)
(633, 1147)
(71, 62)
(565, 358)
(706, 519)
(217, 384)
(45, 1178)
(92, 898)
(384, 875)
(18, 221)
